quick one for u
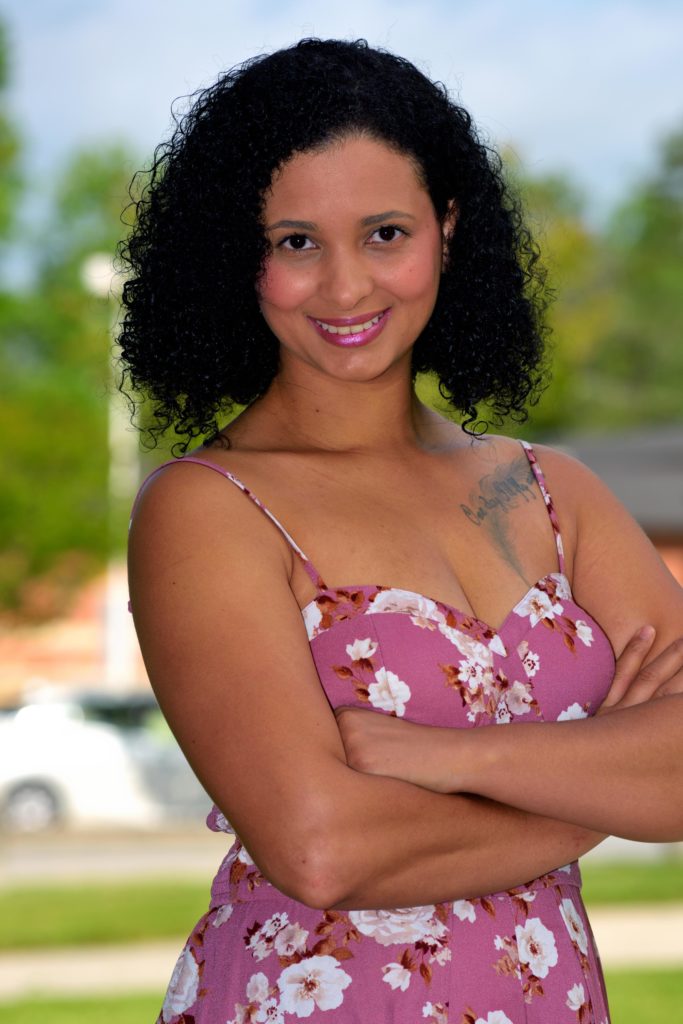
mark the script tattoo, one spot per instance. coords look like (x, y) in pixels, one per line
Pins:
(501, 491)
(498, 493)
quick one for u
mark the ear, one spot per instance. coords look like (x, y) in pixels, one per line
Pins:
(448, 227)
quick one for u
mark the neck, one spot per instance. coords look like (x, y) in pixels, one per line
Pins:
(304, 409)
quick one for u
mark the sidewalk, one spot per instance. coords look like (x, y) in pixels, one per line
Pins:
(636, 936)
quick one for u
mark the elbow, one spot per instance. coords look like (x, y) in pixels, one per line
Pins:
(308, 863)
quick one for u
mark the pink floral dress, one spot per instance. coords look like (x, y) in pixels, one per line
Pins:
(525, 956)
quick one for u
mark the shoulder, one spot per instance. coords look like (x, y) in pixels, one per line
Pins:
(617, 574)
(185, 509)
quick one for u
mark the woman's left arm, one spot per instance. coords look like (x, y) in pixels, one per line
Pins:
(621, 772)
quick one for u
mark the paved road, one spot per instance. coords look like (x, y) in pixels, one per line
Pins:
(192, 852)
(626, 936)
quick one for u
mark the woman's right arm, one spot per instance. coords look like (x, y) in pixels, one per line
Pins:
(228, 657)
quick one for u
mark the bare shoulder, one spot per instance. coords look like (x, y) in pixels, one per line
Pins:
(617, 574)
(188, 511)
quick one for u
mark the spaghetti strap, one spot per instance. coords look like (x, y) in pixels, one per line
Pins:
(306, 562)
(543, 487)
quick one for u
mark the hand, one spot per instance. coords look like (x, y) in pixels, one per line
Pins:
(635, 682)
(378, 744)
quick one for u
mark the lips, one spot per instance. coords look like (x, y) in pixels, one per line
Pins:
(351, 331)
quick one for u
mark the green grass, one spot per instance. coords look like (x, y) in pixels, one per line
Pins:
(138, 1009)
(128, 911)
(636, 997)
(645, 997)
(95, 914)
(633, 882)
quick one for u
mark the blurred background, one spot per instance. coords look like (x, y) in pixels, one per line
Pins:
(101, 819)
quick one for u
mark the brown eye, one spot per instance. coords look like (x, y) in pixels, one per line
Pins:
(387, 233)
(296, 242)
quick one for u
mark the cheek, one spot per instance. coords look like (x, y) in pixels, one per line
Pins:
(418, 277)
(281, 289)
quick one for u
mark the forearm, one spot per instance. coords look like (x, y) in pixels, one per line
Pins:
(393, 844)
(619, 773)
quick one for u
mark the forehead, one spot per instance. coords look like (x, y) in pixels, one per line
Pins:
(351, 173)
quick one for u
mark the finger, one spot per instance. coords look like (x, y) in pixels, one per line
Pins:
(629, 664)
(658, 675)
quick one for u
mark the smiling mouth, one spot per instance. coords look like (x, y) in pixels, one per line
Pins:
(349, 328)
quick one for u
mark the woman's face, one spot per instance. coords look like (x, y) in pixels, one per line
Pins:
(355, 261)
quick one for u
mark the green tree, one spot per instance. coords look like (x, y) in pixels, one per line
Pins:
(638, 367)
(55, 358)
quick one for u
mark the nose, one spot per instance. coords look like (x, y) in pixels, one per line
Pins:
(346, 279)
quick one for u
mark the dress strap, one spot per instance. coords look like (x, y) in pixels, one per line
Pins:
(307, 564)
(543, 487)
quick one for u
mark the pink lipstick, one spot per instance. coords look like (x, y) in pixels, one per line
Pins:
(350, 332)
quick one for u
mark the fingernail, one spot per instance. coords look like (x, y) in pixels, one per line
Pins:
(646, 633)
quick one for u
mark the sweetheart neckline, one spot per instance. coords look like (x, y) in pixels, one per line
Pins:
(496, 631)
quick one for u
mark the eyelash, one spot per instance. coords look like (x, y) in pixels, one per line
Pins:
(282, 244)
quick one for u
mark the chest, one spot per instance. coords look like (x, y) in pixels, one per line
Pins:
(474, 538)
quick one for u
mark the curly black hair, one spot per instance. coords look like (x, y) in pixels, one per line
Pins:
(192, 337)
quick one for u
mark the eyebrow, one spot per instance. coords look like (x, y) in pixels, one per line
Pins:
(308, 225)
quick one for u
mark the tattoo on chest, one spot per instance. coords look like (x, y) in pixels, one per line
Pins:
(497, 494)
(500, 491)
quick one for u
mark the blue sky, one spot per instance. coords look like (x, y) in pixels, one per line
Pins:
(584, 87)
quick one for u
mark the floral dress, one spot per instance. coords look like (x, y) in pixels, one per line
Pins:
(524, 956)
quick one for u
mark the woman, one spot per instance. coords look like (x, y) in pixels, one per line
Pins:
(324, 225)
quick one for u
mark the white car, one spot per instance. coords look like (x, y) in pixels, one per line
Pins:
(90, 759)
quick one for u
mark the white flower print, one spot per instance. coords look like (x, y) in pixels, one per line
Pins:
(291, 939)
(475, 674)
(389, 692)
(494, 1017)
(436, 1011)
(269, 1012)
(389, 927)
(574, 925)
(536, 945)
(394, 600)
(502, 714)
(529, 896)
(473, 650)
(317, 981)
(396, 976)
(465, 910)
(273, 925)
(244, 856)
(573, 711)
(566, 868)
(576, 998)
(224, 914)
(312, 617)
(222, 823)
(562, 588)
(497, 646)
(361, 649)
(443, 955)
(537, 605)
(584, 632)
(258, 988)
(519, 698)
(530, 660)
(259, 947)
(183, 986)
(242, 1015)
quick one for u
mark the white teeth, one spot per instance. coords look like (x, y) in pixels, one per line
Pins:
(351, 329)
